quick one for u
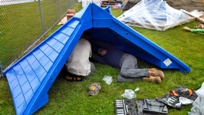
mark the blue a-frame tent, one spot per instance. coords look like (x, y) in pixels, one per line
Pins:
(31, 77)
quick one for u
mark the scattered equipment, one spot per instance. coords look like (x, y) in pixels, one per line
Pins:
(141, 107)
(94, 89)
(125, 107)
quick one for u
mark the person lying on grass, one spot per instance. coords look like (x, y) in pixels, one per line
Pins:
(78, 65)
(106, 53)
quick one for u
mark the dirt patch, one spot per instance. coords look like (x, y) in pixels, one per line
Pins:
(188, 5)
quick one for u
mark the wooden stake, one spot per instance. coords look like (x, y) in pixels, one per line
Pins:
(187, 28)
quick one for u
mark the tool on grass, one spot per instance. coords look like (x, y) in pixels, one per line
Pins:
(193, 30)
(140, 107)
(181, 91)
(94, 89)
(125, 107)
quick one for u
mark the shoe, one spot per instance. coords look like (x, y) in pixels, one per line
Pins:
(155, 79)
(69, 78)
(156, 72)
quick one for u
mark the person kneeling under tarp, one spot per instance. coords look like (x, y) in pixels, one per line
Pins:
(78, 64)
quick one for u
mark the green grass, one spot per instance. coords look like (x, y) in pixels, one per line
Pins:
(71, 98)
(21, 25)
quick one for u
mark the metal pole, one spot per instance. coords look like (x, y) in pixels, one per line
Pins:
(58, 8)
(41, 17)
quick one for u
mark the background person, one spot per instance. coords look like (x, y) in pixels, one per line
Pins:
(78, 64)
(105, 53)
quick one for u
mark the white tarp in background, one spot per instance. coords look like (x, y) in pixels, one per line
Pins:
(195, 13)
(154, 14)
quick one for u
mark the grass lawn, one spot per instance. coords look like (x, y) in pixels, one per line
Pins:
(21, 25)
(71, 98)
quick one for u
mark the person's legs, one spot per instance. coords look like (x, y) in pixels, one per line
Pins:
(93, 68)
(129, 67)
(129, 71)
